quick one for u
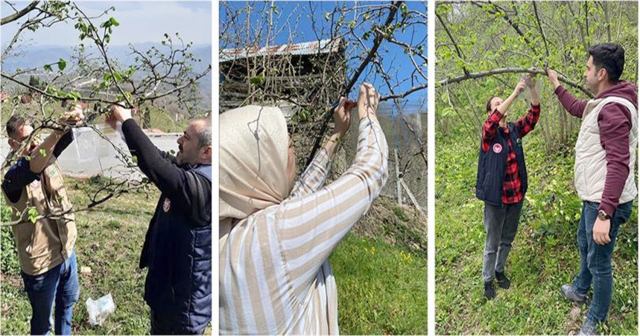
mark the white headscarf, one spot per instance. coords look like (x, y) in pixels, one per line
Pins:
(254, 145)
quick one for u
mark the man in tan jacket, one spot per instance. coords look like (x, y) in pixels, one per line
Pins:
(45, 232)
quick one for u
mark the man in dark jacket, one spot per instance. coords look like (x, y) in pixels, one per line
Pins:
(177, 248)
(604, 173)
(502, 181)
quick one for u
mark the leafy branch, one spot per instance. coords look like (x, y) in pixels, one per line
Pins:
(170, 77)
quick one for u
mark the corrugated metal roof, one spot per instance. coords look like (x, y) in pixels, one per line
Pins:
(304, 48)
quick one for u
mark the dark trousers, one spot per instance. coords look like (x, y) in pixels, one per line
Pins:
(501, 225)
(162, 325)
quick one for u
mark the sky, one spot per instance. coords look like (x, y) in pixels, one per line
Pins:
(291, 19)
(140, 21)
(147, 21)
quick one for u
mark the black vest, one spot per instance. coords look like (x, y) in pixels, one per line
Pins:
(492, 165)
(177, 250)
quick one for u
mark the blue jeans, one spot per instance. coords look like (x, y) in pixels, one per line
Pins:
(59, 285)
(595, 260)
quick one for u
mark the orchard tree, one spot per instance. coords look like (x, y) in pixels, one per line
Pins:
(163, 74)
(377, 42)
(483, 47)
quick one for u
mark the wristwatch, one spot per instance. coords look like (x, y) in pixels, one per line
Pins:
(603, 215)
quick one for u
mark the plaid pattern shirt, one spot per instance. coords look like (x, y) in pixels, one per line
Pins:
(512, 187)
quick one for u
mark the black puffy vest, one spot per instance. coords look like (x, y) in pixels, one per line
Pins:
(492, 165)
(177, 250)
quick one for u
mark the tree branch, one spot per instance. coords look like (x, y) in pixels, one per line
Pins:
(544, 38)
(18, 15)
(52, 96)
(501, 71)
(455, 44)
(193, 80)
(406, 93)
(376, 44)
(507, 18)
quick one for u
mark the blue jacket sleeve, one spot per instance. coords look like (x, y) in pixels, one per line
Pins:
(16, 178)
(63, 143)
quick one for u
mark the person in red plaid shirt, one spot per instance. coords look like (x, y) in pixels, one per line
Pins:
(502, 181)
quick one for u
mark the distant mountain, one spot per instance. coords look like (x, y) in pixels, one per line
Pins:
(37, 56)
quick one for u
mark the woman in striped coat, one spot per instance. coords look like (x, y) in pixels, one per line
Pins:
(276, 233)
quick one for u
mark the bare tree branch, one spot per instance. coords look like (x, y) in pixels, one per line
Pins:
(18, 15)
(376, 44)
(406, 93)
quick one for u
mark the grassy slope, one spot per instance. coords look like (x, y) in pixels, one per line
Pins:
(381, 273)
(109, 242)
(382, 288)
(381, 283)
(543, 257)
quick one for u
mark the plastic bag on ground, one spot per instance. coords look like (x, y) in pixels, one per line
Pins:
(99, 309)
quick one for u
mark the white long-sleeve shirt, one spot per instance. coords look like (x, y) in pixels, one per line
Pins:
(275, 276)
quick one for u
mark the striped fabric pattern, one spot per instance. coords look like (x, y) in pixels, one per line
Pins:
(275, 276)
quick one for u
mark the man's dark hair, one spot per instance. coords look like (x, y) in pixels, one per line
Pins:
(14, 123)
(609, 56)
(489, 103)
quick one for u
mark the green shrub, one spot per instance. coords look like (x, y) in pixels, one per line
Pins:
(8, 252)
(400, 214)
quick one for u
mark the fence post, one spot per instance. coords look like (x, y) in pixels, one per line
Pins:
(398, 179)
(414, 200)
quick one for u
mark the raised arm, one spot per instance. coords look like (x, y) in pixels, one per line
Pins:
(16, 178)
(26, 171)
(574, 106)
(528, 122)
(490, 127)
(54, 144)
(309, 228)
(22, 172)
(314, 177)
(502, 108)
(180, 185)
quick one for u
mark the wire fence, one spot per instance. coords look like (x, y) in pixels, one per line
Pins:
(407, 182)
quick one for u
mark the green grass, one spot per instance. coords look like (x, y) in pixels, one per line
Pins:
(382, 288)
(109, 241)
(544, 254)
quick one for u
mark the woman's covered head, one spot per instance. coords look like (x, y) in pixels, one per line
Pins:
(254, 156)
